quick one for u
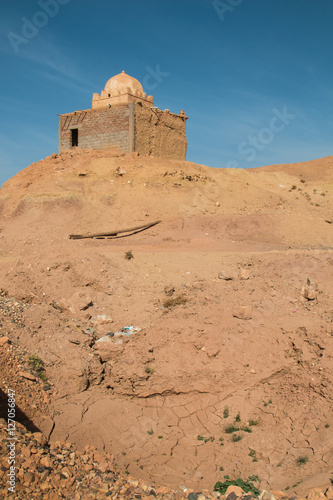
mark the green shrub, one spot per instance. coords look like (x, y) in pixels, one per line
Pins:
(246, 486)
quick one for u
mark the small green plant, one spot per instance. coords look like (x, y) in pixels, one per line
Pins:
(302, 460)
(38, 366)
(268, 403)
(221, 440)
(151, 432)
(255, 478)
(129, 255)
(302, 181)
(160, 437)
(236, 438)
(253, 455)
(246, 486)
(206, 440)
(246, 429)
(327, 426)
(229, 429)
(253, 422)
(149, 370)
(226, 412)
(238, 417)
(293, 187)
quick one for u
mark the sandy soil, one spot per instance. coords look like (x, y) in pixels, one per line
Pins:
(232, 292)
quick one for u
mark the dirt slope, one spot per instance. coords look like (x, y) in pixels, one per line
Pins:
(226, 335)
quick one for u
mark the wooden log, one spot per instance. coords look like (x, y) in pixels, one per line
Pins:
(113, 233)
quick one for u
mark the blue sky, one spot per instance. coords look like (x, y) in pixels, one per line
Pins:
(255, 77)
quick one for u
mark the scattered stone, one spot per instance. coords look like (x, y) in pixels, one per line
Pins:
(192, 496)
(162, 490)
(119, 172)
(279, 494)
(239, 492)
(28, 376)
(309, 290)
(4, 341)
(266, 495)
(80, 301)
(316, 494)
(244, 274)
(243, 312)
(101, 319)
(226, 275)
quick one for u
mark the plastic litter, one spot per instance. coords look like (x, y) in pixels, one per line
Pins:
(117, 337)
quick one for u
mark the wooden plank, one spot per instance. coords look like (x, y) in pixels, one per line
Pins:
(113, 233)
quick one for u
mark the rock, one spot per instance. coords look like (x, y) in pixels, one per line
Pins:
(64, 306)
(46, 462)
(232, 496)
(80, 301)
(107, 349)
(27, 375)
(236, 490)
(201, 497)
(28, 478)
(4, 341)
(316, 494)
(40, 438)
(279, 494)
(192, 496)
(54, 155)
(309, 290)
(244, 274)
(226, 275)
(162, 490)
(266, 495)
(243, 312)
(101, 319)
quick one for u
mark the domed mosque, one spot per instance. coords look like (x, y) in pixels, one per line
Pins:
(124, 116)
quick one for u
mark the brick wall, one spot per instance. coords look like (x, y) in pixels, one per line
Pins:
(98, 129)
(160, 133)
(130, 127)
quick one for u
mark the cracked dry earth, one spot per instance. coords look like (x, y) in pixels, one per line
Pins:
(232, 293)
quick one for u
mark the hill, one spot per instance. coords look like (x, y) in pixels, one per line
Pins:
(231, 368)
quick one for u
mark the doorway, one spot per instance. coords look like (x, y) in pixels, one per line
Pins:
(75, 137)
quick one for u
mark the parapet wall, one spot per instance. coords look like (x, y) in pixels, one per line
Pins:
(99, 128)
(160, 133)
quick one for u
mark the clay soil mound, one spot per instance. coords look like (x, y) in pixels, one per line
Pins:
(230, 370)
